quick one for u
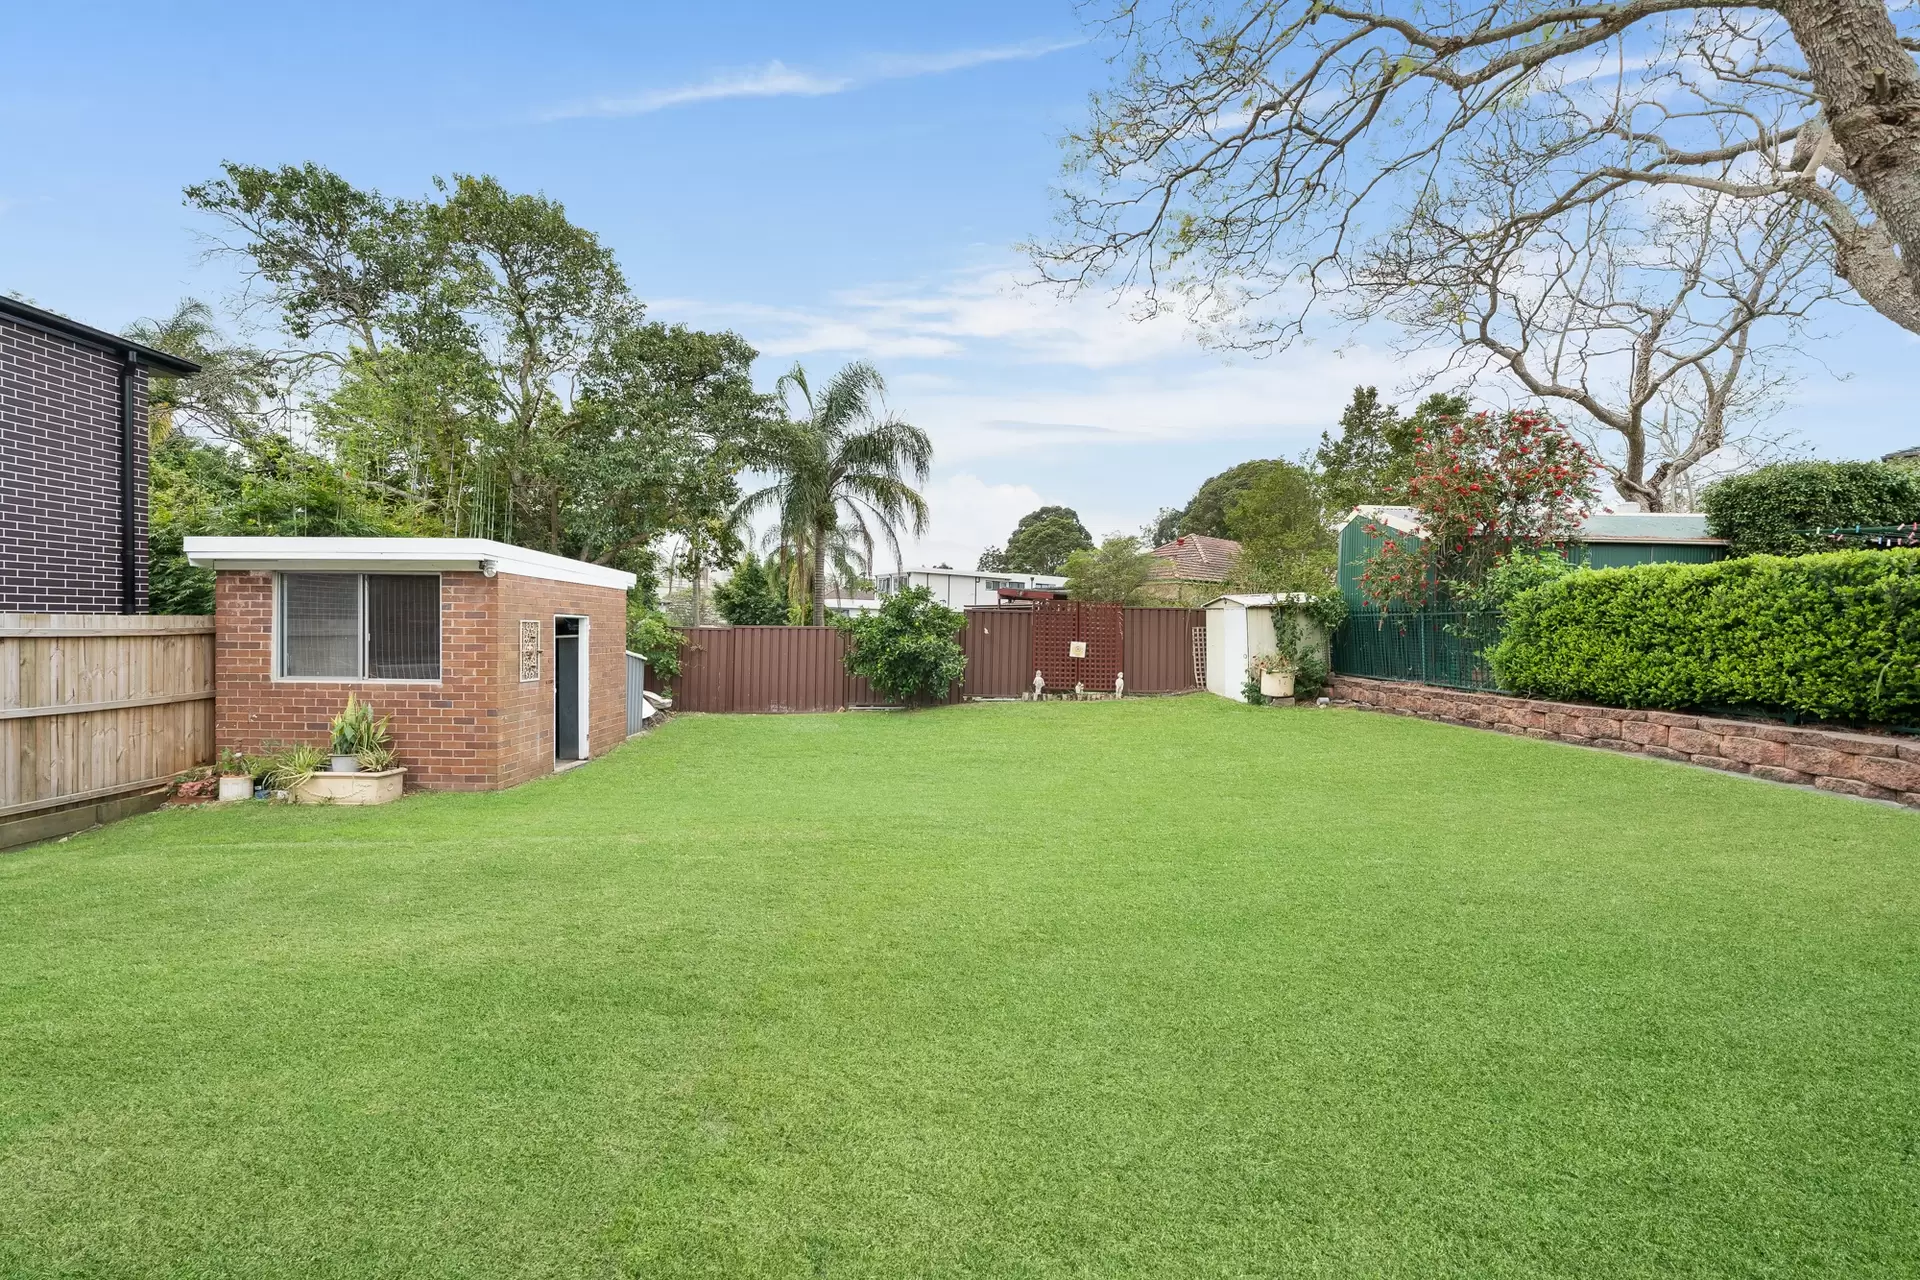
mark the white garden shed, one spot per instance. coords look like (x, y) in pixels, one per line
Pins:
(1240, 629)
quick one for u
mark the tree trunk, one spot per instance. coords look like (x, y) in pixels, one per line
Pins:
(1870, 90)
(819, 578)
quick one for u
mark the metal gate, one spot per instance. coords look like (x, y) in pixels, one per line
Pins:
(1075, 642)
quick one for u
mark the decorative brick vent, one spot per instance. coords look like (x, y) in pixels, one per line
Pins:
(1853, 764)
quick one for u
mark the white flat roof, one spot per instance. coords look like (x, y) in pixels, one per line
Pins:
(372, 555)
(1038, 579)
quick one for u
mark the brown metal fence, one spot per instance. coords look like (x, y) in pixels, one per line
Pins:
(775, 669)
(999, 645)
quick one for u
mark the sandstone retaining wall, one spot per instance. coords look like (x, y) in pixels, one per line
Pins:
(1854, 764)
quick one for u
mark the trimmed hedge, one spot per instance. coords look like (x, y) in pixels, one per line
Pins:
(1758, 513)
(1835, 636)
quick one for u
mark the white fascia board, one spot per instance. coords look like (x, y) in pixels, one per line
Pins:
(392, 555)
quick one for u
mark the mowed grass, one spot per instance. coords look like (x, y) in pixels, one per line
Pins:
(1157, 988)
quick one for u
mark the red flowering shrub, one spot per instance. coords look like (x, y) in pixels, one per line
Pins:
(1485, 486)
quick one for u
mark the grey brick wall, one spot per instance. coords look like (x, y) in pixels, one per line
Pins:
(60, 476)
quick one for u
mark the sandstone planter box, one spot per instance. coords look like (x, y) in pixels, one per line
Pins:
(350, 788)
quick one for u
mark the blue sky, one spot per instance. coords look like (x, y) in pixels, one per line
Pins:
(832, 181)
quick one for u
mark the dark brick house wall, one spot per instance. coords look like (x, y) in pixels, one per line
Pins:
(60, 546)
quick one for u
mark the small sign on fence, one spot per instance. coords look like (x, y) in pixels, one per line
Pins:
(1076, 648)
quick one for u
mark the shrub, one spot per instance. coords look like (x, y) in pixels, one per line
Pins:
(1114, 574)
(1758, 513)
(1835, 636)
(909, 650)
(751, 597)
(651, 635)
(1486, 487)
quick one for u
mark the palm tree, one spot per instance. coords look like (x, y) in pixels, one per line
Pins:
(842, 473)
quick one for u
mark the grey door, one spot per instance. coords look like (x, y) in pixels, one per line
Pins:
(566, 689)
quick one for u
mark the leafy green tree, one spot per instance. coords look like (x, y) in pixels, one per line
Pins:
(1206, 514)
(1114, 573)
(909, 650)
(1280, 522)
(1373, 458)
(750, 598)
(993, 560)
(1764, 512)
(1163, 528)
(1043, 540)
(475, 360)
(844, 470)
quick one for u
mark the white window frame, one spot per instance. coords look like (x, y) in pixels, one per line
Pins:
(279, 610)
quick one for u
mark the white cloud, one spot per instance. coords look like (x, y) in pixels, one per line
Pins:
(775, 80)
(778, 80)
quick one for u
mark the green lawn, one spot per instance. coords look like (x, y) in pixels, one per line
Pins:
(1169, 988)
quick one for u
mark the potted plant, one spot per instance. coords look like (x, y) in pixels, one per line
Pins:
(1276, 675)
(236, 775)
(355, 730)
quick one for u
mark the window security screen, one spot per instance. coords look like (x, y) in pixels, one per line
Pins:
(403, 626)
(351, 626)
(320, 625)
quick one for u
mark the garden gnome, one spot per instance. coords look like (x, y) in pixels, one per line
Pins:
(1080, 689)
(1119, 684)
(1039, 686)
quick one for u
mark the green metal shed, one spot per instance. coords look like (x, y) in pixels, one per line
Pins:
(1608, 540)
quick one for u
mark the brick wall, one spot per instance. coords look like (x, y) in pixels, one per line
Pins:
(60, 476)
(478, 728)
(526, 737)
(1854, 764)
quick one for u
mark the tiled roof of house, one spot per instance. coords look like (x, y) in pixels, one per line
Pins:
(1194, 557)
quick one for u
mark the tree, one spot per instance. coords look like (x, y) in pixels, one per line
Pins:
(909, 650)
(1163, 528)
(229, 399)
(1115, 573)
(1372, 459)
(1487, 487)
(1250, 152)
(1043, 540)
(1281, 525)
(993, 560)
(1206, 513)
(476, 360)
(1766, 512)
(1657, 317)
(842, 469)
(750, 598)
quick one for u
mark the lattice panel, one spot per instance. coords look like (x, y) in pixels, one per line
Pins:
(1199, 657)
(1059, 627)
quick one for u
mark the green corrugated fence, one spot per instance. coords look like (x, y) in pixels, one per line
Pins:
(1429, 647)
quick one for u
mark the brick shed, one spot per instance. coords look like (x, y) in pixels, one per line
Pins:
(495, 664)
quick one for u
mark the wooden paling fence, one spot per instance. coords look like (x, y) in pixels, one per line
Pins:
(775, 669)
(94, 706)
